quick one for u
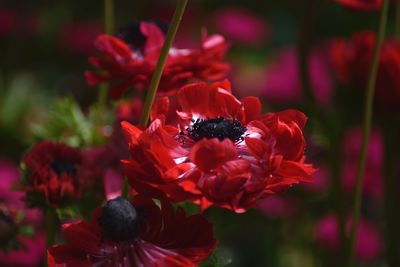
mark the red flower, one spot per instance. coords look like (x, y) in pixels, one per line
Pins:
(132, 65)
(352, 60)
(223, 152)
(135, 234)
(362, 5)
(58, 171)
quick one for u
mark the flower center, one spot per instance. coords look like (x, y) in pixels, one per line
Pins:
(119, 220)
(219, 127)
(61, 166)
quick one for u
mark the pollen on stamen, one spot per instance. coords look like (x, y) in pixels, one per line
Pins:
(219, 127)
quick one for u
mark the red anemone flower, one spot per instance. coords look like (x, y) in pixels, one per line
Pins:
(135, 234)
(362, 5)
(131, 63)
(223, 151)
(58, 172)
(352, 60)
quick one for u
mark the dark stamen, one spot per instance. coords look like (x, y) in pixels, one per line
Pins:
(119, 220)
(62, 166)
(219, 127)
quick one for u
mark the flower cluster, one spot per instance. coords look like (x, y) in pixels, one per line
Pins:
(203, 145)
(129, 61)
(222, 151)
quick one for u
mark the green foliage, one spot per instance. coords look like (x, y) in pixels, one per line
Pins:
(67, 123)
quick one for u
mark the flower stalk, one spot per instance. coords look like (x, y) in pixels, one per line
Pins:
(155, 80)
(366, 131)
(51, 226)
(397, 22)
(108, 29)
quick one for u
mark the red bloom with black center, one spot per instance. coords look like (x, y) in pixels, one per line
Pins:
(135, 234)
(58, 172)
(131, 63)
(352, 60)
(223, 151)
(362, 5)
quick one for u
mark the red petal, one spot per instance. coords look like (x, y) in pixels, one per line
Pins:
(131, 133)
(212, 153)
(154, 37)
(66, 256)
(252, 108)
(160, 108)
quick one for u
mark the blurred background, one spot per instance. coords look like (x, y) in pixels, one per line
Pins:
(45, 47)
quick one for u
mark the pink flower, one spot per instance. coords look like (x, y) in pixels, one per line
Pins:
(78, 37)
(373, 186)
(321, 180)
(277, 207)
(283, 81)
(33, 252)
(8, 21)
(30, 256)
(368, 240)
(242, 26)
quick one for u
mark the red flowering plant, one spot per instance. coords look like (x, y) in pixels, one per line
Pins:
(57, 173)
(130, 61)
(222, 152)
(137, 233)
(352, 60)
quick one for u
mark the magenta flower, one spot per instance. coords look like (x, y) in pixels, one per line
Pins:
(278, 207)
(368, 240)
(32, 253)
(78, 37)
(8, 21)
(283, 82)
(242, 26)
(373, 185)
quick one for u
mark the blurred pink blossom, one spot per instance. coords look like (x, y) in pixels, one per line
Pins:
(368, 240)
(373, 185)
(33, 251)
(78, 37)
(30, 256)
(8, 21)
(283, 82)
(277, 207)
(321, 180)
(242, 26)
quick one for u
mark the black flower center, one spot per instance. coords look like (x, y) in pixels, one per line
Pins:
(119, 220)
(62, 166)
(219, 127)
(132, 35)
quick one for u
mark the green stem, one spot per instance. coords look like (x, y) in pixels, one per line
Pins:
(303, 50)
(366, 131)
(108, 29)
(390, 193)
(397, 22)
(51, 226)
(337, 194)
(155, 80)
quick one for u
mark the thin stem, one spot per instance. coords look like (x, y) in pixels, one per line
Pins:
(155, 80)
(51, 226)
(366, 131)
(390, 193)
(108, 29)
(397, 22)
(303, 50)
